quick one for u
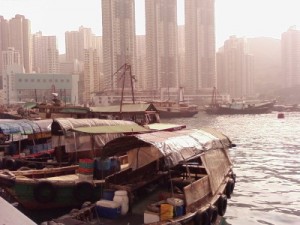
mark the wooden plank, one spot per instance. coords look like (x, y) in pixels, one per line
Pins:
(197, 190)
(12, 216)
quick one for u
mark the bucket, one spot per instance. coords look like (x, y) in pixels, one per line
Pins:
(178, 206)
(166, 212)
(122, 198)
(86, 166)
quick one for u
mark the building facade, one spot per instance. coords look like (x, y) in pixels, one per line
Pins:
(45, 54)
(161, 44)
(235, 69)
(118, 24)
(39, 87)
(77, 42)
(20, 39)
(290, 57)
(200, 62)
(90, 81)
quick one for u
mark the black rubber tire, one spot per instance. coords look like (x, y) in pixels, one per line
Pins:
(213, 214)
(44, 192)
(229, 188)
(222, 205)
(202, 218)
(83, 191)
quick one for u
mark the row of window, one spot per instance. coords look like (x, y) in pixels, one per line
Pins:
(44, 80)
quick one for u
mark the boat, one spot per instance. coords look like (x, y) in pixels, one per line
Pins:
(238, 107)
(178, 177)
(25, 143)
(175, 109)
(66, 186)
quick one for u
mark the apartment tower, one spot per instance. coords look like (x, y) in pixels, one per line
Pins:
(45, 54)
(235, 68)
(200, 59)
(290, 59)
(4, 38)
(118, 23)
(20, 39)
(161, 44)
(77, 42)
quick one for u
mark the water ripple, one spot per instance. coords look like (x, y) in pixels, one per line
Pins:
(266, 161)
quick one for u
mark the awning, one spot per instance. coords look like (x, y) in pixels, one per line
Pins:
(30, 105)
(175, 147)
(112, 129)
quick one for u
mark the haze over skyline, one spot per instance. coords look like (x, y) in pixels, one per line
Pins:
(243, 18)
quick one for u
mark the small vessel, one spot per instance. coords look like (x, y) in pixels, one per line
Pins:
(68, 186)
(238, 107)
(174, 109)
(178, 177)
(25, 143)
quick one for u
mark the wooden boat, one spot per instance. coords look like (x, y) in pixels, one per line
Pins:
(173, 109)
(25, 143)
(179, 177)
(67, 186)
(238, 107)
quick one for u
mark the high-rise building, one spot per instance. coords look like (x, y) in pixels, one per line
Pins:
(290, 57)
(11, 63)
(141, 62)
(181, 55)
(4, 38)
(161, 44)
(20, 39)
(235, 68)
(91, 76)
(77, 42)
(200, 59)
(45, 54)
(118, 23)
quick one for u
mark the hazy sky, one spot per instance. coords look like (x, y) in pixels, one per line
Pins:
(243, 18)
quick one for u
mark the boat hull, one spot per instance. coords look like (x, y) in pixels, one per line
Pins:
(50, 188)
(170, 114)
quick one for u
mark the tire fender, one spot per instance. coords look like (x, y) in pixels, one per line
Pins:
(202, 218)
(44, 192)
(83, 191)
(213, 214)
(229, 188)
(222, 205)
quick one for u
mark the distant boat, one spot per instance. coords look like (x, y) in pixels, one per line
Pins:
(238, 107)
(172, 109)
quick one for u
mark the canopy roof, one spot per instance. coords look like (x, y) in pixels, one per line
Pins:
(24, 126)
(126, 108)
(175, 146)
(112, 129)
(61, 126)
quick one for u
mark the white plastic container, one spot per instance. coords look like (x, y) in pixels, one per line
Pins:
(121, 197)
(151, 217)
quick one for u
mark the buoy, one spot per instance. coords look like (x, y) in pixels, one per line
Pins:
(280, 115)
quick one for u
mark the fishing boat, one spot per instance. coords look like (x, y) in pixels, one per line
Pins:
(238, 107)
(175, 109)
(179, 177)
(66, 186)
(25, 143)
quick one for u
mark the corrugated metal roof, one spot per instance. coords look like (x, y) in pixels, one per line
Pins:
(175, 146)
(112, 129)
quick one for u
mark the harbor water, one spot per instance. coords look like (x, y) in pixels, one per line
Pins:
(266, 161)
(267, 164)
